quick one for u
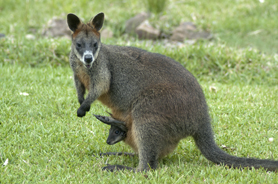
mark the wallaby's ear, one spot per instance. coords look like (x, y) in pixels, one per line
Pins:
(73, 21)
(97, 21)
(112, 121)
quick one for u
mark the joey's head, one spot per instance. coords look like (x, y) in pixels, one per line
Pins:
(117, 131)
(86, 38)
(116, 134)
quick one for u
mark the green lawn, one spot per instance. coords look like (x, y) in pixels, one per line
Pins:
(45, 142)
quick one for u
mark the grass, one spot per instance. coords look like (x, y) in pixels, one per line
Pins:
(240, 24)
(155, 6)
(45, 142)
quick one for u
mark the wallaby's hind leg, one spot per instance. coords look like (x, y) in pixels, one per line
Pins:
(148, 159)
(149, 148)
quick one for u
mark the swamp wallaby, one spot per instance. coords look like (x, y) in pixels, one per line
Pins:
(117, 131)
(159, 100)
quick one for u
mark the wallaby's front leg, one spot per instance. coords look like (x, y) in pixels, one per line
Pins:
(86, 104)
(80, 89)
(97, 87)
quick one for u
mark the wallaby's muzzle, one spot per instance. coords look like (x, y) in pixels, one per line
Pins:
(88, 58)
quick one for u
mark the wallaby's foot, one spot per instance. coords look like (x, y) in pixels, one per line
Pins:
(113, 168)
(117, 154)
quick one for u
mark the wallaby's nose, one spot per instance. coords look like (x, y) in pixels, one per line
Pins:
(108, 142)
(88, 58)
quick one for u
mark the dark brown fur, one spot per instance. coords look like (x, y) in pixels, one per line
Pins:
(158, 99)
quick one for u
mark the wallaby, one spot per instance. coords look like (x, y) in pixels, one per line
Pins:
(117, 131)
(158, 99)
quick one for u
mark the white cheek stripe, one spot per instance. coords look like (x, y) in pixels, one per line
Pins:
(77, 54)
(96, 54)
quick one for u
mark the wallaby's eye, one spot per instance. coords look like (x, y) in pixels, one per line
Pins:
(95, 45)
(117, 132)
(78, 45)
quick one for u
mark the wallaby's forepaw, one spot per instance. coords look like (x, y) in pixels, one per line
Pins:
(87, 108)
(113, 168)
(81, 113)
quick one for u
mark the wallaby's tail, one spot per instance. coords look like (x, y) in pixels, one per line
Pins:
(205, 142)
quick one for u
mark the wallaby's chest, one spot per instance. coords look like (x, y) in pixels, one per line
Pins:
(83, 76)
